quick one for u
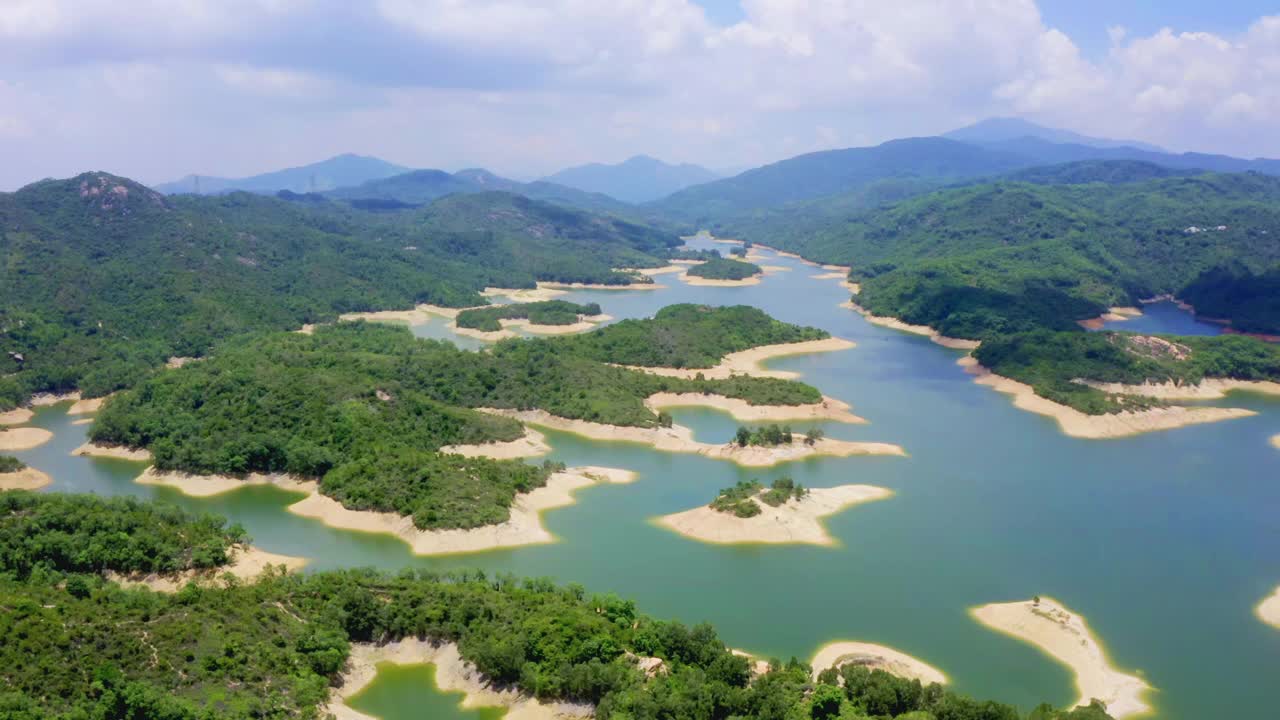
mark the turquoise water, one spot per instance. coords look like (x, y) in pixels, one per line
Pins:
(1164, 542)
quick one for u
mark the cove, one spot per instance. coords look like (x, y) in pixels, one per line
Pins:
(1165, 542)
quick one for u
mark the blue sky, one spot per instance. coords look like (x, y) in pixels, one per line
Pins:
(526, 87)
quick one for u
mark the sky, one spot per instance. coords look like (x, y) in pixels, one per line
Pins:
(157, 89)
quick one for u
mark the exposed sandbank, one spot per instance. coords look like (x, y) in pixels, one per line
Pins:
(24, 438)
(1207, 389)
(829, 409)
(453, 674)
(24, 479)
(417, 316)
(751, 362)
(1268, 610)
(1275, 441)
(18, 416)
(82, 421)
(925, 330)
(247, 563)
(1111, 425)
(523, 295)
(679, 439)
(710, 282)
(47, 399)
(1064, 636)
(584, 323)
(533, 444)
(110, 451)
(830, 276)
(676, 266)
(86, 407)
(875, 657)
(795, 521)
(523, 527)
(1115, 314)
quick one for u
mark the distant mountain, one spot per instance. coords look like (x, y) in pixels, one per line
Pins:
(637, 180)
(328, 174)
(1044, 152)
(1111, 172)
(422, 186)
(994, 130)
(925, 161)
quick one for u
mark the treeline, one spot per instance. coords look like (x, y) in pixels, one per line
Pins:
(78, 648)
(103, 279)
(1054, 364)
(687, 336)
(741, 499)
(725, 269)
(1251, 301)
(11, 464)
(547, 312)
(365, 407)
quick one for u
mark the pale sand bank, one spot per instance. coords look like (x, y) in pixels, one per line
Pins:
(520, 295)
(679, 439)
(598, 286)
(24, 479)
(751, 362)
(1275, 441)
(16, 417)
(108, 451)
(796, 521)
(86, 407)
(417, 316)
(247, 563)
(486, 335)
(676, 266)
(925, 330)
(585, 323)
(708, 282)
(47, 399)
(1207, 389)
(523, 527)
(82, 421)
(1112, 425)
(758, 667)
(24, 438)
(830, 276)
(453, 674)
(1064, 636)
(533, 444)
(875, 657)
(1268, 610)
(829, 409)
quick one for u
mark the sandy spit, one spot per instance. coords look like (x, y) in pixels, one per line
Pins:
(247, 563)
(830, 276)
(1268, 610)
(751, 362)
(533, 444)
(829, 409)
(82, 421)
(1066, 637)
(676, 266)
(1207, 389)
(417, 316)
(679, 439)
(24, 438)
(453, 674)
(794, 522)
(486, 335)
(86, 407)
(585, 323)
(875, 657)
(925, 330)
(16, 417)
(523, 294)
(24, 479)
(523, 527)
(1095, 427)
(108, 451)
(708, 282)
(47, 399)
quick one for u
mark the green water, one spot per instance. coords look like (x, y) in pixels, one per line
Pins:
(1164, 542)
(409, 691)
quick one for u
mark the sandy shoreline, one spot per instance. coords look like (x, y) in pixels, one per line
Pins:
(17, 416)
(1077, 424)
(796, 521)
(25, 479)
(419, 315)
(584, 323)
(1268, 611)
(107, 451)
(523, 527)
(47, 399)
(751, 361)
(924, 330)
(247, 563)
(1115, 314)
(1066, 637)
(598, 286)
(1208, 389)
(1275, 441)
(453, 674)
(522, 295)
(829, 409)
(23, 438)
(533, 444)
(876, 657)
(679, 439)
(86, 407)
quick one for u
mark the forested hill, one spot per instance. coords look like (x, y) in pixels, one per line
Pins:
(419, 187)
(1008, 256)
(102, 278)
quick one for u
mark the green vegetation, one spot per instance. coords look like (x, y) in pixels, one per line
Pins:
(768, 436)
(58, 533)
(741, 499)
(364, 407)
(691, 254)
(783, 490)
(102, 280)
(725, 269)
(11, 464)
(79, 648)
(548, 312)
(687, 336)
(1251, 301)
(1055, 363)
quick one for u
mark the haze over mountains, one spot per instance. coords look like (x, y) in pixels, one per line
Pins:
(636, 180)
(336, 172)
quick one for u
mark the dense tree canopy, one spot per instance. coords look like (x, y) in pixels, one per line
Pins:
(547, 312)
(725, 269)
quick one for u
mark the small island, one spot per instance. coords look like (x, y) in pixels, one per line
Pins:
(783, 513)
(546, 317)
(1268, 611)
(724, 272)
(15, 475)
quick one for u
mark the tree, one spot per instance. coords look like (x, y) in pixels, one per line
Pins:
(813, 436)
(743, 436)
